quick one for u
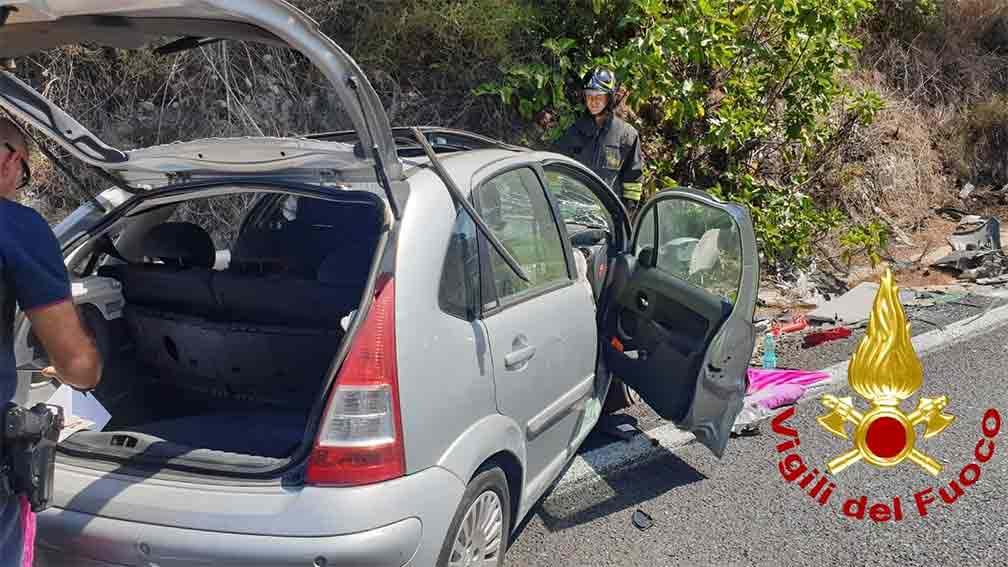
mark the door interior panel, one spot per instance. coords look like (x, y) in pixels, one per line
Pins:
(663, 325)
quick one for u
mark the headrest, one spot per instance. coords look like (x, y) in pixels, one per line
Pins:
(180, 243)
(319, 213)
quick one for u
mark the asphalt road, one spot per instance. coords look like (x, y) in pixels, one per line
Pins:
(740, 511)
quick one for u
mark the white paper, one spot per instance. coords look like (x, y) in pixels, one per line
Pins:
(80, 411)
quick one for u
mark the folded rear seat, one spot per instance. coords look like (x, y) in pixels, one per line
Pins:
(239, 332)
(182, 282)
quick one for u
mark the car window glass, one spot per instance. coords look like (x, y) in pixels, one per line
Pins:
(80, 220)
(514, 206)
(696, 243)
(576, 202)
(218, 216)
(460, 275)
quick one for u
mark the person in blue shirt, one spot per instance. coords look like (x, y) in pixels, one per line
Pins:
(35, 280)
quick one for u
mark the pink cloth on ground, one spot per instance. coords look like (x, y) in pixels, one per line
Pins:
(28, 523)
(782, 395)
(760, 378)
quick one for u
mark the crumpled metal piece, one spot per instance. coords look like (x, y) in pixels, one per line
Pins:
(962, 260)
(992, 266)
(976, 233)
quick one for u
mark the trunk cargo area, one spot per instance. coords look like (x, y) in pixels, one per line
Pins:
(223, 366)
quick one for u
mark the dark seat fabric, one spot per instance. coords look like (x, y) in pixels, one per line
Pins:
(182, 290)
(320, 230)
(185, 284)
(263, 361)
(284, 300)
(263, 252)
(182, 283)
(268, 433)
(181, 244)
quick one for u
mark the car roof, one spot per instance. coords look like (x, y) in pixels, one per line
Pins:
(464, 166)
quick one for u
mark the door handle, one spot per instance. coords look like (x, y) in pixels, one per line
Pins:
(518, 357)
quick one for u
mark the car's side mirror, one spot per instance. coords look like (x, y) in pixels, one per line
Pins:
(589, 238)
(647, 257)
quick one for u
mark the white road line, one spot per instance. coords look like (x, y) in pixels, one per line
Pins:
(596, 464)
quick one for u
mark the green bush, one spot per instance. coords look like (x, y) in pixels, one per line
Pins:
(870, 240)
(731, 96)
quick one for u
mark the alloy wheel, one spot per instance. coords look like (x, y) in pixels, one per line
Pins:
(478, 541)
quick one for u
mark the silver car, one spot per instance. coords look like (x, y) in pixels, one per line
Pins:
(372, 347)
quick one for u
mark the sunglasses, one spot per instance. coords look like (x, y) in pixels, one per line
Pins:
(25, 170)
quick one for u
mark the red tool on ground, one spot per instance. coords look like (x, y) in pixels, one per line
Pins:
(798, 324)
(819, 337)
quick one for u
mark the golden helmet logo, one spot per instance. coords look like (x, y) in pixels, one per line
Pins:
(885, 371)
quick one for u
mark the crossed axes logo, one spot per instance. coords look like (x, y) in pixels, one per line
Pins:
(885, 371)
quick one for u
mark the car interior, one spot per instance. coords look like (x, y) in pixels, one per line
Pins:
(665, 312)
(229, 358)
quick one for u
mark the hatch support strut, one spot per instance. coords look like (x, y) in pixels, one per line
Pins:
(460, 199)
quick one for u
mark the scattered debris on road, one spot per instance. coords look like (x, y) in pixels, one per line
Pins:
(851, 308)
(932, 298)
(967, 190)
(976, 254)
(762, 379)
(748, 430)
(816, 338)
(976, 233)
(642, 520)
(799, 323)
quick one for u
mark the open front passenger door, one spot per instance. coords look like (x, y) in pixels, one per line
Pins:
(679, 318)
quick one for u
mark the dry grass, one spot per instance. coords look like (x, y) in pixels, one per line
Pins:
(889, 170)
(422, 56)
(945, 124)
(951, 61)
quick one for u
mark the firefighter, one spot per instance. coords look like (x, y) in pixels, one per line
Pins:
(604, 142)
(610, 147)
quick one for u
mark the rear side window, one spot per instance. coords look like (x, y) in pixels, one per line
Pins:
(459, 293)
(514, 205)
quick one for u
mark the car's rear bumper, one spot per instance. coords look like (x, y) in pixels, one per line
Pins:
(101, 544)
(173, 524)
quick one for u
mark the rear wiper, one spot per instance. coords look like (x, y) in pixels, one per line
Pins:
(461, 200)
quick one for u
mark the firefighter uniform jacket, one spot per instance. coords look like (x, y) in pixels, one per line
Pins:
(612, 152)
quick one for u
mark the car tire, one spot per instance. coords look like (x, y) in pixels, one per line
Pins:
(486, 501)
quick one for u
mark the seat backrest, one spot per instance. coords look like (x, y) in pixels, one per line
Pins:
(298, 245)
(180, 284)
(181, 244)
(283, 300)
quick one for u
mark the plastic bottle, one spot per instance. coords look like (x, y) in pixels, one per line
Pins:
(769, 351)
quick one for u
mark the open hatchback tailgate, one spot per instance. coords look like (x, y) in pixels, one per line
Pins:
(34, 25)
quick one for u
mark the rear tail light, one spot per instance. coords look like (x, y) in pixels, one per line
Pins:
(360, 440)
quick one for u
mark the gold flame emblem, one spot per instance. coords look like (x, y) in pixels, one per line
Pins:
(885, 371)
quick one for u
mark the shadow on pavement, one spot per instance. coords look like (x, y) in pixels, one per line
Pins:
(597, 438)
(623, 490)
